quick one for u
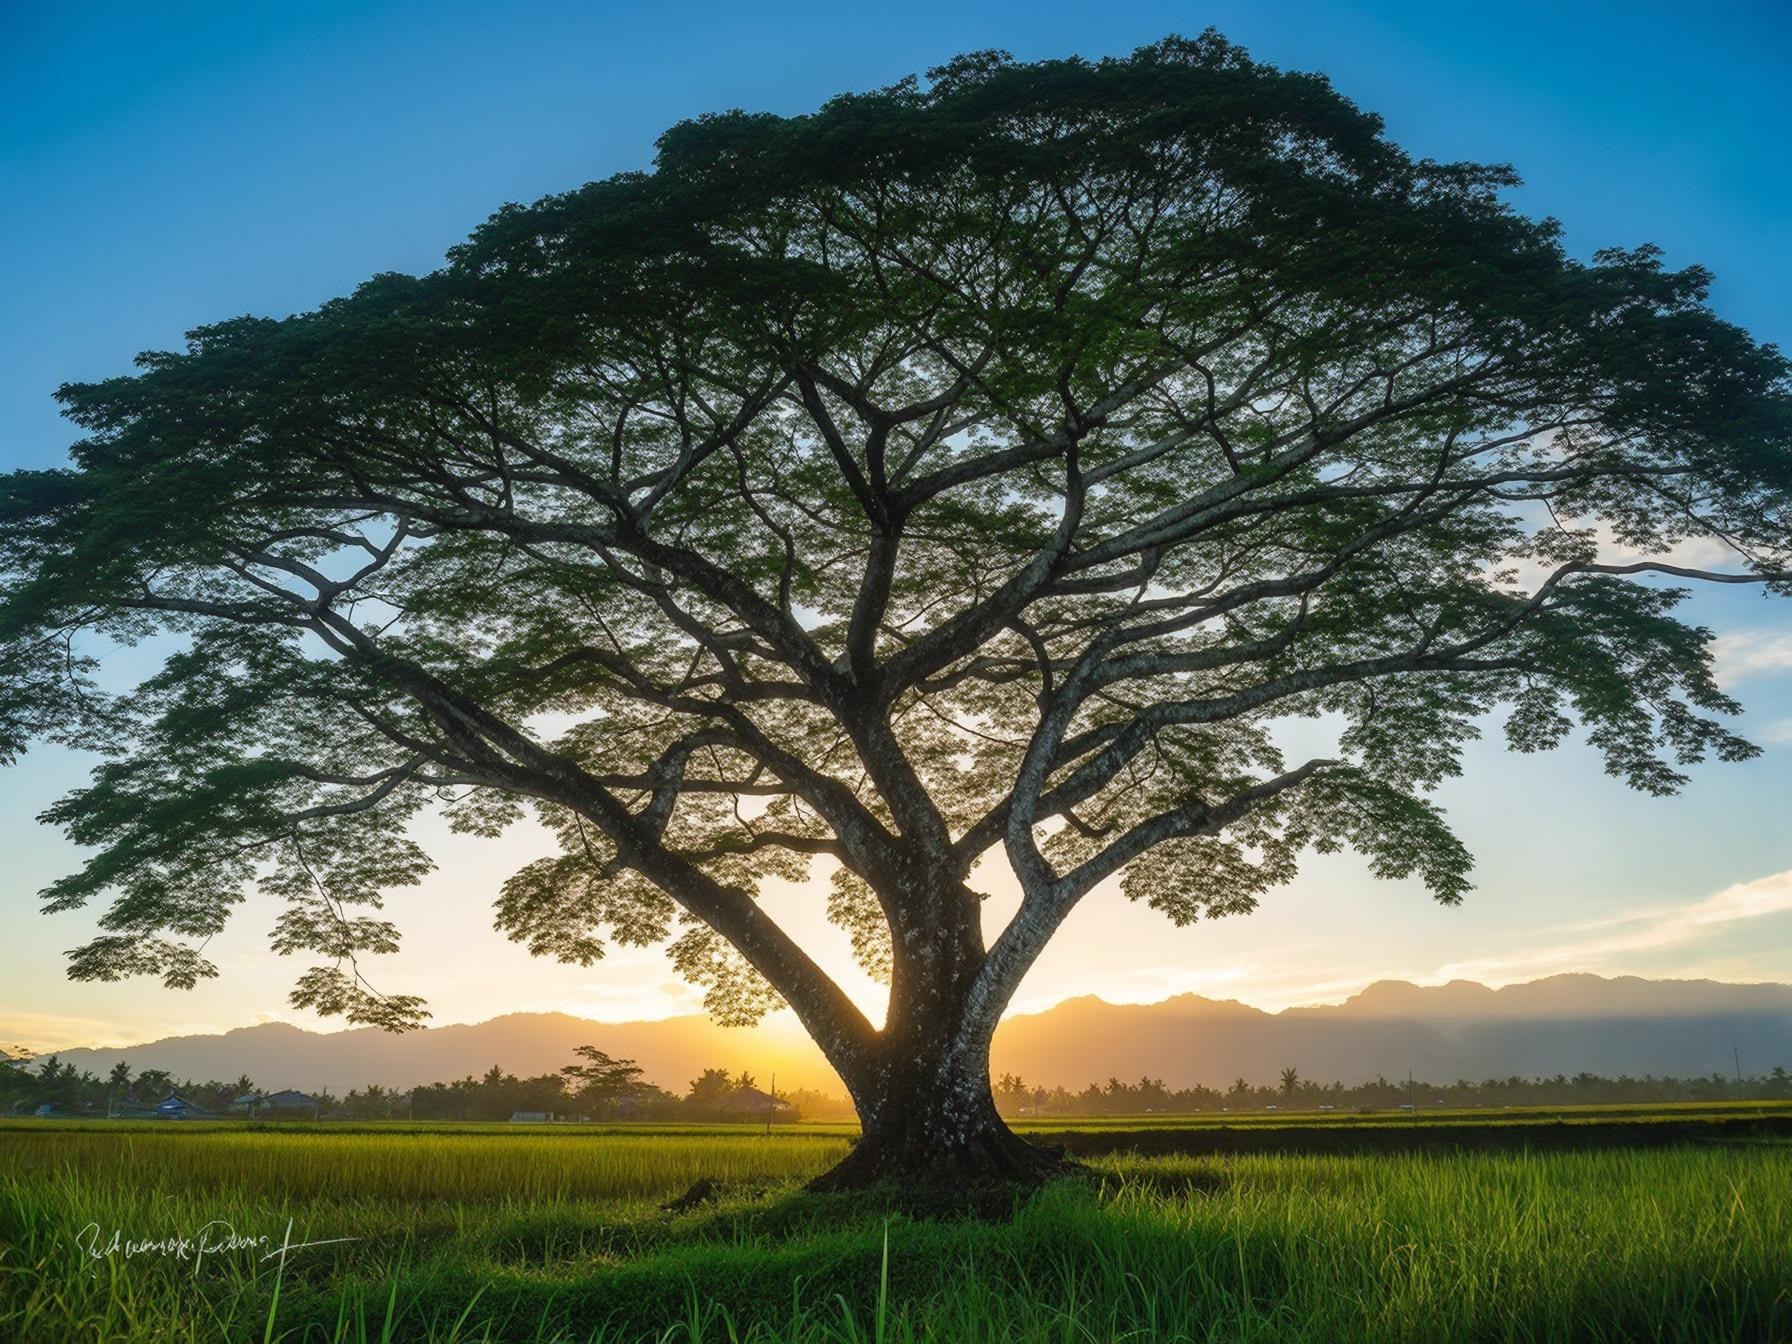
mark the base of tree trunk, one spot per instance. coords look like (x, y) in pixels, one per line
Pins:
(936, 1171)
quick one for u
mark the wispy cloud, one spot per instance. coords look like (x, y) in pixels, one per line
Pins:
(1629, 943)
(1708, 553)
(45, 1032)
(1688, 552)
(1662, 928)
(1778, 731)
(1751, 653)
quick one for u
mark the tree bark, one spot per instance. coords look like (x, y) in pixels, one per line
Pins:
(926, 1111)
(931, 1132)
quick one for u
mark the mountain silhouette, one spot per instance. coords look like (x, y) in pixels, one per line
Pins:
(673, 1051)
(1562, 1024)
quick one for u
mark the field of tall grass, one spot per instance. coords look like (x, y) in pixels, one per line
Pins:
(557, 1236)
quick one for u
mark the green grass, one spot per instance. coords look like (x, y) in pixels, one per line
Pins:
(1427, 1116)
(1671, 1110)
(463, 1233)
(325, 1166)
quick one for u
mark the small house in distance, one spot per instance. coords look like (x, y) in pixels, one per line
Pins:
(176, 1107)
(531, 1117)
(287, 1103)
(749, 1103)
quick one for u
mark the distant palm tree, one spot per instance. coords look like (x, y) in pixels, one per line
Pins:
(118, 1084)
(1290, 1081)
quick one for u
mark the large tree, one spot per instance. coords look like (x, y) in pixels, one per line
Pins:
(972, 472)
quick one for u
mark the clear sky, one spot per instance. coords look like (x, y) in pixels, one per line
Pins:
(172, 164)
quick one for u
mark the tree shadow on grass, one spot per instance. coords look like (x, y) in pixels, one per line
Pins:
(754, 1210)
(756, 1254)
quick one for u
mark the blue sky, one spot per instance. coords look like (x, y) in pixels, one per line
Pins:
(174, 164)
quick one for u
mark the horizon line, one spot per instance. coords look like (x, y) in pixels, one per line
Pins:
(783, 1018)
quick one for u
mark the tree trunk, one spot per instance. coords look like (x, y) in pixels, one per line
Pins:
(926, 1112)
(940, 1133)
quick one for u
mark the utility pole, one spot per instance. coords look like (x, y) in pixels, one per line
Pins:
(1736, 1054)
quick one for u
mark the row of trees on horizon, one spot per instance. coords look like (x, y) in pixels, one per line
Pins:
(1015, 1097)
(599, 1087)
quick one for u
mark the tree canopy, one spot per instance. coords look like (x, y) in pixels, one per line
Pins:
(600, 1079)
(973, 471)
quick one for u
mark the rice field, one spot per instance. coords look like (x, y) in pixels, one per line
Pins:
(417, 1168)
(130, 1232)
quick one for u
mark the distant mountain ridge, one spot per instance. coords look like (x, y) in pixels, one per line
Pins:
(672, 1050)
(1562, 1024)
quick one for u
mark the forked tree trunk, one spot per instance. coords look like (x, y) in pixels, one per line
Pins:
(927, 1115)
(942, 1134)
